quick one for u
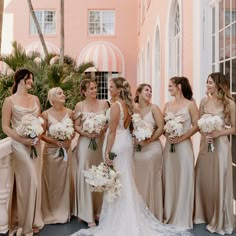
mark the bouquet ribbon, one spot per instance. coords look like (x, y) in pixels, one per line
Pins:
(61, 152)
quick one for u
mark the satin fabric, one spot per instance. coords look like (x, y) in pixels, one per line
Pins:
(148, 173)
(214, 185)
(128, 215)
(56, 182)
(178, 176)
(25, 210)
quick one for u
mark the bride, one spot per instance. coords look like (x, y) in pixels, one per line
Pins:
(127, 215)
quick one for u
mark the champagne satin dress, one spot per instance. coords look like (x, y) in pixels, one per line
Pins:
(87, 204)
(26, 198)
(56, 182)
(148, 173)
(178, 176)
(214, 186)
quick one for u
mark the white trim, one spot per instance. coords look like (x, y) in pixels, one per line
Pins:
(148, 62)
(168, 74)
(156, 79)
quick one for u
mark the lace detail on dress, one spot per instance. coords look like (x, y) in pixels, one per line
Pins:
(128, 215)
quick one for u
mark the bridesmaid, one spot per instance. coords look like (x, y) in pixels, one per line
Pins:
(150, 159)
(213, 194)
(26, 200)
(56, 174)
(178, 172)
(87, 203)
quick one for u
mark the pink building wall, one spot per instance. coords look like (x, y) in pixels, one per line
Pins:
(76, 27)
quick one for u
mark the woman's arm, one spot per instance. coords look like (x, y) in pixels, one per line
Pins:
(157, 114)
(6, 124)
(231, 129)
(114, 121)
(194, 114)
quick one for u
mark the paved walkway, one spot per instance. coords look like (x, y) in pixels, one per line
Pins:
(74, 225)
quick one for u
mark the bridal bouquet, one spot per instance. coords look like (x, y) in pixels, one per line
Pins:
(208, 123)
(94, 123)
(173, 127)
(104, 178)
(142, 130)
(31, 127)
(62, 131)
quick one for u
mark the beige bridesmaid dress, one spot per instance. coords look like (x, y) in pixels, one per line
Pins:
(214, 186)
(178, 178)
(25, 212)
(56, 182)
(148, 173)
(87, 204)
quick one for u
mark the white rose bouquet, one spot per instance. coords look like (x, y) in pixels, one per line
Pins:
(94, 123)
(142, 130)
(173, 127)
(62, 131)
(31, 127)
(208, 123)
(103, 178)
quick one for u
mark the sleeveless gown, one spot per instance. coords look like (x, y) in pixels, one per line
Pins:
(214, 186)
(148, 173)
(127, 215)
(87, 204)
(178, 176)
(56, 182)
(26, 198)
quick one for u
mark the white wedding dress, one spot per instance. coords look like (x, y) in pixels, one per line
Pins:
(128, 215)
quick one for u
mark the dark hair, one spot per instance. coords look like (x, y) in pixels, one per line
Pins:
(223, 91)
(84, 84)
(185, 86)
(18, 76)
(125, 92)
(139, 90)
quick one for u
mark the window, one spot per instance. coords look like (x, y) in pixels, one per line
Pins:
(101, 22)
(47, 22)
(224, 50)
(177, 40)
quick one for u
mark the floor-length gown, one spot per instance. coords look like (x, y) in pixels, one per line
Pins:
(214, 186)
(178, 177)
(127, 215)
(26, 200)
(87, 204)
(56, 181)
(148, 165)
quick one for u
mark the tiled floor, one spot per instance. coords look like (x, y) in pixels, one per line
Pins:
(74, 225)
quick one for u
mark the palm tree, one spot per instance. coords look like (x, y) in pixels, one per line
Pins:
(38, 27)
(1, 19)
(62, 33)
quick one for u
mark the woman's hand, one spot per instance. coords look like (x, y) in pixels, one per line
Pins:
(214, 134)
(30, 141)
(108, 161)
(175, 140)
(64, 144)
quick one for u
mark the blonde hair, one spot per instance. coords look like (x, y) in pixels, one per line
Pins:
(223, 92)
(51, 94)
(125, 92)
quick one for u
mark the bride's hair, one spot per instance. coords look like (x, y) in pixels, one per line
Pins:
(223, 92)
(125, 92)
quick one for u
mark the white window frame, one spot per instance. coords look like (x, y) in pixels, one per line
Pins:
(33, 29)
(101, 12)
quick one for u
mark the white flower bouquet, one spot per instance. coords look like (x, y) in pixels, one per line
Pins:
(142, 130)
(62, 131)
(208, 123)
(103, 178)
(31, 127)
(94, 123)
(173, 127)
